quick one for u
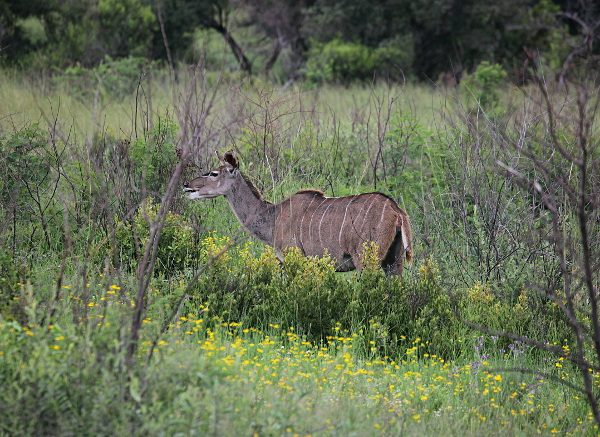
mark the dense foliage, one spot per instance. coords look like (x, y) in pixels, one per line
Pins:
(336, 41)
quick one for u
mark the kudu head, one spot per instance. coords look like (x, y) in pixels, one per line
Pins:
(216, 182)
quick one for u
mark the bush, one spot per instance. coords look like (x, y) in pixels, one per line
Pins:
(28, 189)
(413, 157)
(488, 77)
(13, 276)
(178, 245)
(307, 294)
(383, 314)
(154, 157)
(342, 62)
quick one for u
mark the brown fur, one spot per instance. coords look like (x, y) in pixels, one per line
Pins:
(317, 225)
(311, 191)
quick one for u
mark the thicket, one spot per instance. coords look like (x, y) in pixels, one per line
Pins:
(255, 291)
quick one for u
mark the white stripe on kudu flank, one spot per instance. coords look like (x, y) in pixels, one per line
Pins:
(310, 232)
(344, 221)
(382, 215)
(321, 221)
(302, 221)
(339, 203)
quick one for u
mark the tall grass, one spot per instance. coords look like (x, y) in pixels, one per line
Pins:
(42, 99)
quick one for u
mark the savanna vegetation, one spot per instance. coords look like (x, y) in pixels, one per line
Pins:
(127, 309)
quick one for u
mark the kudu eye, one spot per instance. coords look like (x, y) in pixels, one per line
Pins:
(214, 174)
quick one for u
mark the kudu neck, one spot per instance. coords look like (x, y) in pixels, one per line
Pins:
(255, 214)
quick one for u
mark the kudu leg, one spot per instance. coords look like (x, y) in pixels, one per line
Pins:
(392, 263)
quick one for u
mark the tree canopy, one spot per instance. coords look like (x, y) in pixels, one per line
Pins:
(321, 40)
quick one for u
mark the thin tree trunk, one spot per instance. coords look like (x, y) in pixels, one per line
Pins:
(245, 64)
(272, 59)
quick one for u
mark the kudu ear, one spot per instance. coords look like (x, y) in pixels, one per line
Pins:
(229, 160)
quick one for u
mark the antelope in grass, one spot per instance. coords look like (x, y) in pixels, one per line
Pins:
(309, 220)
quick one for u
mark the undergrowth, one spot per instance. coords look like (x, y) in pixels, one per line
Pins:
(214, 377)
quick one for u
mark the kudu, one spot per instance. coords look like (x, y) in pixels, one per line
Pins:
(312, 222)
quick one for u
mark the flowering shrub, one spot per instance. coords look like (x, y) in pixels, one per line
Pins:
(307, 293)
(12, 276)
(528, 315)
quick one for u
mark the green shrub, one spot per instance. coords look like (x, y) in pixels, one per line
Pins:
(178, 244)
(346, 62)
(75, 381)
(154, 157)
(529, 316)
(22, 160)
(13, 277)
(29, 206)
(414, 157)
(307, 294)
(488, 77)
(385, 315)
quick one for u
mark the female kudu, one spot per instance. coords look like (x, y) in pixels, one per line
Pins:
(312, 222)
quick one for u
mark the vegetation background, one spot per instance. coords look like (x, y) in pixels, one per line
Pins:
(315, 40)
(126, 309)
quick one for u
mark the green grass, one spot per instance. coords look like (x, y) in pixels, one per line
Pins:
(51, 104)
(207, 376)
(42, 100)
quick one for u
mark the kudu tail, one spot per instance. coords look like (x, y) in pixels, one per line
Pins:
(403, 226)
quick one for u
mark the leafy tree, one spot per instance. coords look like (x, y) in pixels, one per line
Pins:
(458, 35)
(14, 40)
(352, 39)
(180, 18)
(75, 31)
(444, 34)
(281, 22)
(421, 37)
(85, 32)
(367, 22)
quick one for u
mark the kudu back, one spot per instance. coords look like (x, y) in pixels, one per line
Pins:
(316, 224)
